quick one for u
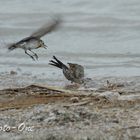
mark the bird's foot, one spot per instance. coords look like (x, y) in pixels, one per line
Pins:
(29, 55)
(32, 58)
(36, 56)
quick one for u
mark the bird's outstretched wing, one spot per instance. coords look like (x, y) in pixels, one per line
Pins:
(49, 27)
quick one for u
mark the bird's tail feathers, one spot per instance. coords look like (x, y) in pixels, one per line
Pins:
(57, 63)
(11, 47)
(53, 63)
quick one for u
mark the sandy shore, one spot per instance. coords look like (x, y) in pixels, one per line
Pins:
(96, 110)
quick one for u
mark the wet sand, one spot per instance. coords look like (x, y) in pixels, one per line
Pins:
(102, 111)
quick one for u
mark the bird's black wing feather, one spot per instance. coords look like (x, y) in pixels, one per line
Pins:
(57, 63)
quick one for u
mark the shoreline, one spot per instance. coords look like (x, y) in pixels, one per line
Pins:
(14, 80)
(50, 112)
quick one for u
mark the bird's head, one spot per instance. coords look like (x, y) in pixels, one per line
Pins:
(72, 66)
(42, 44)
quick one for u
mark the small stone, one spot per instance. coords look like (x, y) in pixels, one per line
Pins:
(74, 99)
(13, 72)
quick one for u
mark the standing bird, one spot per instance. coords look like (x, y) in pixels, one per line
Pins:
(34, 41)
(74, 73)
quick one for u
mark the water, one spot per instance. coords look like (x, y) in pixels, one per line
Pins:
(103, 36)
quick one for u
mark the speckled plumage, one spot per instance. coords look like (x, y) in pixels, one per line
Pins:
(74, 73)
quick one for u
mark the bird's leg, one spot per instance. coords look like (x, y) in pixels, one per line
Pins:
(36, 56)
(29, 55)
(45, 46)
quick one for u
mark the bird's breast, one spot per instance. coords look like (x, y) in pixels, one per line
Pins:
(29, 44)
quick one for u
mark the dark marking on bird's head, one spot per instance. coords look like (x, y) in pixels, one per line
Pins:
(71, 65)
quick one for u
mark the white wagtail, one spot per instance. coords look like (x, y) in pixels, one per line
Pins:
(34, 41)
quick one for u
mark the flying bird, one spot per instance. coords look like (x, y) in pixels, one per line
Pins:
(73, 72)
(34, 40)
